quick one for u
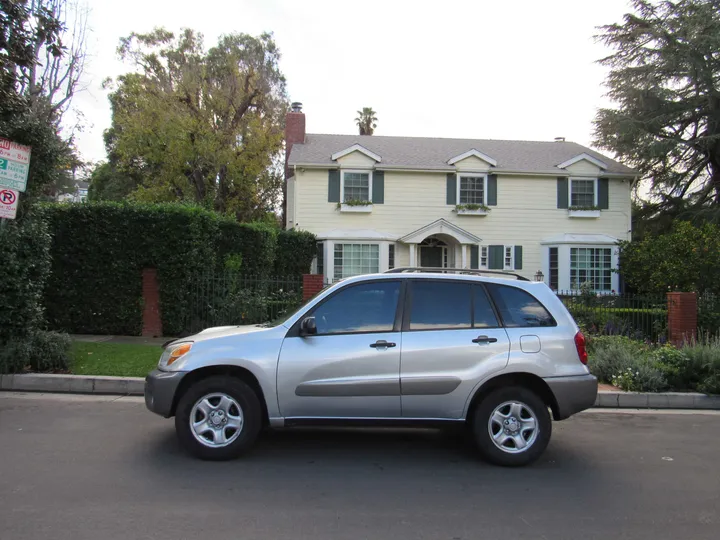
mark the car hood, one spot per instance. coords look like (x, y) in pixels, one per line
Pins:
(224, 331)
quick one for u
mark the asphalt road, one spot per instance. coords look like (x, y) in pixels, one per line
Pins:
(97, 468)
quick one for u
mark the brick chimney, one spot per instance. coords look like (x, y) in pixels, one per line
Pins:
(294, 132)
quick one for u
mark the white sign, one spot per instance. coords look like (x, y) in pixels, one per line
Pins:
(14, 165)
(8, 203)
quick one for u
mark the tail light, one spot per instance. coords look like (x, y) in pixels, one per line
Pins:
(580, 346)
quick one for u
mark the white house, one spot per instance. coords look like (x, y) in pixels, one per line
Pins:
(377, 203)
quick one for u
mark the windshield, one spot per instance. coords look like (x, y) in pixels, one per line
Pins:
(280, 319)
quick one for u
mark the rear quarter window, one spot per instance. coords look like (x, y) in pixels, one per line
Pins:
(518, 308)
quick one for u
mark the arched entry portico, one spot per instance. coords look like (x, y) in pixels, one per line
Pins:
(440, 244)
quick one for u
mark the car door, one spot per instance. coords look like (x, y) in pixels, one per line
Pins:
(351, 367)
(452, 339)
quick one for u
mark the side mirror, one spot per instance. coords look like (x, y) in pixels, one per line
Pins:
(307, 326)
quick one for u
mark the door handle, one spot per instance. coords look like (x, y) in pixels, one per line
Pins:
(382, 343)
(484, 339)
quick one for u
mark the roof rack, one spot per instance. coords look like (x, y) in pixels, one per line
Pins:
(411, 269)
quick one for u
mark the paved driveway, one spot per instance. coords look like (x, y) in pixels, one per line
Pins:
(88, 468)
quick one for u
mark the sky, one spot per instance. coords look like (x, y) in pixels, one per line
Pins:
(486, 69)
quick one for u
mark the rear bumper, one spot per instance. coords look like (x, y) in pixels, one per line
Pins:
(573, 394)
(160, 389)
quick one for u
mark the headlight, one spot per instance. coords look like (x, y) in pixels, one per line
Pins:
(173, 353)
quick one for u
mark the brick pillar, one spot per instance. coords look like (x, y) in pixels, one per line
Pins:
(312, 284)
(152, 323)
(682, 317)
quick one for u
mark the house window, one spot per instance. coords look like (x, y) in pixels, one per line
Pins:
(508, 262)
(472, 189)
(320, 258)
(583, 192)
(356, 186)
(391, 256)
(355, 259)
(554, 279)
(483, 256)
(591, 265)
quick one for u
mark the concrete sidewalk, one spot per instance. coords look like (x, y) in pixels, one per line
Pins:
(127, 340)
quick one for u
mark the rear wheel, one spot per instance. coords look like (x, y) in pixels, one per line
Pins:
(218, 418)
(512, 426)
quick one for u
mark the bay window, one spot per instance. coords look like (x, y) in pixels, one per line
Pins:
(355, 259)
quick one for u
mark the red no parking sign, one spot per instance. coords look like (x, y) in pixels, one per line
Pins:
(8, 203)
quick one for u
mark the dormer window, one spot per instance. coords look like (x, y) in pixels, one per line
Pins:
(357, 186)
(472, 189)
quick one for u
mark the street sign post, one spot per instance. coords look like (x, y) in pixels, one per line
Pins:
(8, 203)
(14, 165)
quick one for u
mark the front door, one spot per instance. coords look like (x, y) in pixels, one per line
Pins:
(451, 341)
(351, 367)
(431, 256)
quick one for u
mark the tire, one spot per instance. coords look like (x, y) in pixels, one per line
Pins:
(529, 404)
(205, 400)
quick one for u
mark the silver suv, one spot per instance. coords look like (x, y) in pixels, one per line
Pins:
(403, 348)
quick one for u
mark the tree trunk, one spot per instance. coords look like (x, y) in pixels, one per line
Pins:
(198, 180)
(223, 190)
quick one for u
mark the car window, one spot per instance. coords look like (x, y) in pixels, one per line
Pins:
(519, 308)
(484, 314)
(368, 307)
(438, 304)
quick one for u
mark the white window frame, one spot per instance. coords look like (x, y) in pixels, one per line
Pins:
(361, 171)
(483, 253)
(512, 257)
(613, 266)
(343, 243)
(595, 189)
(461, 175)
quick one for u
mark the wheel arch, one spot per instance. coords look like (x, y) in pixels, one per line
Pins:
(524, 379)
(238, 372)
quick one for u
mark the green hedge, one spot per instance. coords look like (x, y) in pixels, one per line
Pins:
(295, 250)
(99, 250)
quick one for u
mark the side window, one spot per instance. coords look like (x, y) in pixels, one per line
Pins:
(369, 307)
(519, 308)
(438, 304)
(484, 314)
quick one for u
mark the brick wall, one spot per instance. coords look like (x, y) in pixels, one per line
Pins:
(682, 317)
(152, 323)
(312, 284)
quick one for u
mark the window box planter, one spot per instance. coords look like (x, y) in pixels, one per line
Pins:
(357, 208)
(466, 212)
(588, 214)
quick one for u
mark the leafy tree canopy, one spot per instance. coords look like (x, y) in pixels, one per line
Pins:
(665, 79)
(200, 126)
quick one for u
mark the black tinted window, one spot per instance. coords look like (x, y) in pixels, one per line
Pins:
(369, 307)
(518, 308)
(484, 314)
(437, 304)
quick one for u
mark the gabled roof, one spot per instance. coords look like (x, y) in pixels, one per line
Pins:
(473, 152)
(427, 153)
(580, 157)
(441, 226)
(356, 148)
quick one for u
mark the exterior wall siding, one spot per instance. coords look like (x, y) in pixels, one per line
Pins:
(526, 213)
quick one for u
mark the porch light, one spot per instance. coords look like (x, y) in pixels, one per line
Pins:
(539, 276)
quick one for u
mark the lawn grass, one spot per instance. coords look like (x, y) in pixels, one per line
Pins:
(117, 359)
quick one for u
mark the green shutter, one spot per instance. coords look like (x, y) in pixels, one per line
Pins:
(333, 185)
(474, 257)
(451, 197)
(604, 193)
(492, 190)
(562, 192)
(518, 257)
(496, 254)
(378, 185)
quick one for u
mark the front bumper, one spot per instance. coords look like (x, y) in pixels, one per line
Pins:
(160, 389)
(573, 394)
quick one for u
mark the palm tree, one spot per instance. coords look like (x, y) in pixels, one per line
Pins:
(366, 121)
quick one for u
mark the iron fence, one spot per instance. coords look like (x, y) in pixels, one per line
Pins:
(230, 298)
(639, 316)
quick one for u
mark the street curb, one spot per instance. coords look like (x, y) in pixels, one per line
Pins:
(127, 386)
(73, 384)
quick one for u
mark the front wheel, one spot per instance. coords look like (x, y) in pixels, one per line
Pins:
(218, 418)
(512, 426)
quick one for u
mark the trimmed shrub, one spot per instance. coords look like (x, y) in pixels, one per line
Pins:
(295, 252)
(100, 249)
(39, 350)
